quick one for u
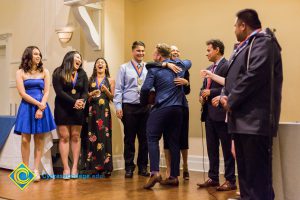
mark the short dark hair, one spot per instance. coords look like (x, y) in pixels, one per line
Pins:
(164, 50)
(215, 43)
(135, 44)
(249, 17)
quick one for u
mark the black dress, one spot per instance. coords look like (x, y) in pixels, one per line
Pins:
(97, 133)
(64, 111)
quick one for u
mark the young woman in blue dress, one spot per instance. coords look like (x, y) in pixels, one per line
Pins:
(34, 116)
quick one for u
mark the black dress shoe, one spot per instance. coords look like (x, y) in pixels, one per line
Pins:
(128, 174)
(143, 172)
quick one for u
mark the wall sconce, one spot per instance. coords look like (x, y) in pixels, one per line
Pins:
(65, 34)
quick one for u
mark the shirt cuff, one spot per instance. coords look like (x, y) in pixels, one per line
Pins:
(119, 106)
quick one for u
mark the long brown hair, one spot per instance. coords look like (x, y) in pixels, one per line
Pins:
(26, 63)
(66, 68)
(94, 74)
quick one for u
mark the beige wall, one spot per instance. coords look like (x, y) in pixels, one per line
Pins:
(189, 24)
(114, 38)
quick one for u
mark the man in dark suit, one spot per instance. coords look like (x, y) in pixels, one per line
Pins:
(253, 98)
(215, 125)
(165, 116)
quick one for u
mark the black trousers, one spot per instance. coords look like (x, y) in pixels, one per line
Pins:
(184, 133)
(166, 121)
(134, 119)
(217, 132)
(254, 162)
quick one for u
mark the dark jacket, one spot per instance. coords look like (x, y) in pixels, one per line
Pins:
(167, 93)
(216, 114)
(254, 94)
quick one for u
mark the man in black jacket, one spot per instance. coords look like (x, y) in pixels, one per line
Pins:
(215, 125)
(253, 98)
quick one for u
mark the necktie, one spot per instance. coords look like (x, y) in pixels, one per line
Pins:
(209, 79)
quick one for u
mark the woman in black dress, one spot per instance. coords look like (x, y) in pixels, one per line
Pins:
(70, 83)
(97, 151)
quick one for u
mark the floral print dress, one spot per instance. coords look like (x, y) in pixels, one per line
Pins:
(98, 141)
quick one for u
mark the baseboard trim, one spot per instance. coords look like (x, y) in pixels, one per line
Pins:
(195, 163)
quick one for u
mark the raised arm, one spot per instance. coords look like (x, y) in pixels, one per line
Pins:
(208, 74)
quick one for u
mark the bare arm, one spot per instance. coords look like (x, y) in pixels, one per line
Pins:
(46, 86)
(109, 94)
(22, 92)
(208, 74)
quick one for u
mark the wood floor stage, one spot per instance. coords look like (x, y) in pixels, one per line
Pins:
(114, 188)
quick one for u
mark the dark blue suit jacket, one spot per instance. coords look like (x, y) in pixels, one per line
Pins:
(162, 80)
(216, 114)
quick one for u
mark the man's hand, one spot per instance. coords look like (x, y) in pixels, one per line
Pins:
(215, 101)
(119, 114)
(180, 81)
(205, 93)
(201, 100)
(224, 102)
(173, 67)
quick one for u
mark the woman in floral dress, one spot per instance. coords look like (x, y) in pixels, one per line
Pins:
(97, 151)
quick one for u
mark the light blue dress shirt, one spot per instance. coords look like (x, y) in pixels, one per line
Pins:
(127, 89)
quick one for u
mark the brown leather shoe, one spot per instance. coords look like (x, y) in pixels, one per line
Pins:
(208, 183)
(227, 186)
(154, 178)
(170, 182)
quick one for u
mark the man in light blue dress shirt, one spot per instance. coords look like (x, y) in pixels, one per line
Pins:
(134, 116)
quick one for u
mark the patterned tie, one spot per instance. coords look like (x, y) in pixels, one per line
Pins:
(209, 79)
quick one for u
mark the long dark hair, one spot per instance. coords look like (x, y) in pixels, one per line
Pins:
(94, 74)
(26, 63)
(66, 68)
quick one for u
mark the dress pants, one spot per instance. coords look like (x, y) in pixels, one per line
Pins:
(134, 120)
(167, 121)
(254, 163)
(216, 132)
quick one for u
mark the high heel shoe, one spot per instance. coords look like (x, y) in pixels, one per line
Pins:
(66, 176)
(74, 175)
(37, 177)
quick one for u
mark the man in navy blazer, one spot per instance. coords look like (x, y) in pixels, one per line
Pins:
(165, 116)
(253, 98)
(215, 125)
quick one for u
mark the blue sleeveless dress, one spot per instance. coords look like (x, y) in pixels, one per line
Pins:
(26, 121)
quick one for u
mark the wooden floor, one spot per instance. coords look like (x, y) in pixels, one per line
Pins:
(114, 188)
